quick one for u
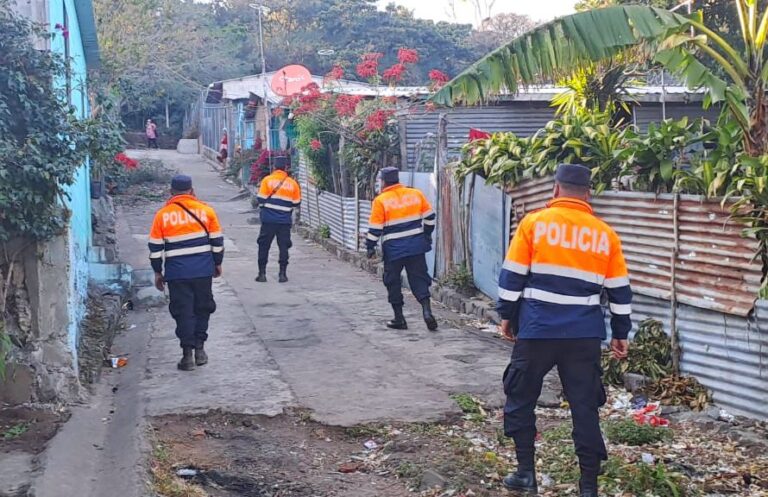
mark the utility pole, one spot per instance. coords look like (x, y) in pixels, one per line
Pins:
(261, 9)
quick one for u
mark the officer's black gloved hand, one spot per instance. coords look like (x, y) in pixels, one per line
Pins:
(371, 253)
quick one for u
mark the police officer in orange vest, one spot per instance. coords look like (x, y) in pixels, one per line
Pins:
(403, 220)
(186, 249)
(278, 196)
(559, 262)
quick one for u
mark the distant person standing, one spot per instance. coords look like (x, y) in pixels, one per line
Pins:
(151, 132)
(186, 249)
(223, 148)
(403, 221)
(278, 195)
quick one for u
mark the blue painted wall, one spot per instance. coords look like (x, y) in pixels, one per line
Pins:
(80, 234)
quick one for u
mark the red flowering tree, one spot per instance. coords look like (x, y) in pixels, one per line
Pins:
(348, 138)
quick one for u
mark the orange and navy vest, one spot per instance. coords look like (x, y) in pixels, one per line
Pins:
(559, 261)
(403, 220)
(182, 243)
(278, 200)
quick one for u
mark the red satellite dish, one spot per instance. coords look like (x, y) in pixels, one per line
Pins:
(290, 80)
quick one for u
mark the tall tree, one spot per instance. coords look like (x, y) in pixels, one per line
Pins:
(500, 29)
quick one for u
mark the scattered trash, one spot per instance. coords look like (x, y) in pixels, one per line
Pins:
(132, 327)
(623, 402)
(724, 415)
(639, 401)
(370, 445)
(118, 362)
(547, 481)
(650, 415)
(648, 458)
(186, 472)
(128, 305)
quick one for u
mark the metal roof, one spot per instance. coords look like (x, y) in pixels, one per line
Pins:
(88, 34)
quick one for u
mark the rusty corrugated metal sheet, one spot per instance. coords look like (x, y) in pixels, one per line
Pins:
(714, 268)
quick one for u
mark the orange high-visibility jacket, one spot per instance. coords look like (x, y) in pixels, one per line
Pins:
(558, 263)
(403, 219)
(182, 242)
(287, 196)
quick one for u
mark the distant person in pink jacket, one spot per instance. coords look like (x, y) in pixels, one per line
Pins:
(151, 132)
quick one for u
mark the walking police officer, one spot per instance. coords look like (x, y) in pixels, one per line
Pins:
(278, 195)
(559, 261)
(186, 249)
(403, 220)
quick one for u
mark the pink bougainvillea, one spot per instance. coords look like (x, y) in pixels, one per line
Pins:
(407, 56)
(315, 144)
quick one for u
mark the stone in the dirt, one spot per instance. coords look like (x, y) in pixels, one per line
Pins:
(149, 296)
(432, 479)
(548, 398)
(634, 382)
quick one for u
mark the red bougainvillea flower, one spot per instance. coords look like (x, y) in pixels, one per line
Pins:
(336, 73)
(407, 56)
(438, 78)
(367, 69)
(378, 120)
(126, 161)
(346, 105)
(394, 73)
(287, 101)
(315, 144)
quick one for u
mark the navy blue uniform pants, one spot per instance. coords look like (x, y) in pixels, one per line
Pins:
(418, 278)
(191, 307)
(270, 231)
(578, 363)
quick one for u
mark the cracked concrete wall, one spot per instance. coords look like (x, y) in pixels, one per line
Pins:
(42, 365)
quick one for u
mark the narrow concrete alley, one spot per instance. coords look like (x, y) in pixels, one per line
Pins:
(317, 342)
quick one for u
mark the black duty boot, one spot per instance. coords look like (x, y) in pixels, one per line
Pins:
(588, 486)
(262, 276)
(283, 276)
(522, 481)
(426, 309)
(187, 362)
(201, 358)
(398, 323)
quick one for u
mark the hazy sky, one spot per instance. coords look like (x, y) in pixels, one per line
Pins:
(437, 9)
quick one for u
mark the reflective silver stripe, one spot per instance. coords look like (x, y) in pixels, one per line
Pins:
(187, 251)
(216, 234)
(427, 213)
(183, 238)
(217, 249)
(516, 267)
(558, 298)
(156, 241)
(508, 295)
(278, 207)
(375, 226)
(621, 309)
(402, 234)
(429, 222)
(402, 220)
(568, 272)
(156, 255)
(616, 282)
(372, 237)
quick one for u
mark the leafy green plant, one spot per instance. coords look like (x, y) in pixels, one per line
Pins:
(467, 403)
(324, 231)
(627, 432)
(640, 479)
(650, 355)
(15, 431)
(664, 149)
(460, 278)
